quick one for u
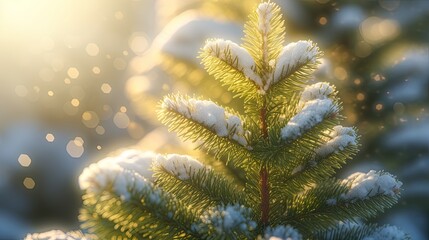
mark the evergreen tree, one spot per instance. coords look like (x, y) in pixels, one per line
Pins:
(286, 145)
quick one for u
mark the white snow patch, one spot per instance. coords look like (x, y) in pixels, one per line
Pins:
(226, 219)
(365, 185)
(320, 90)
(212, 116)
(282, 233)
(292, 56)
(182, 166)
(265, 14)
(233, 54)
(386, 233)
(311, 114)
(341, 137)
(129, 170)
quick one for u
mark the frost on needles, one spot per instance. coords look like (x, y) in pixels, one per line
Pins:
(269, 168)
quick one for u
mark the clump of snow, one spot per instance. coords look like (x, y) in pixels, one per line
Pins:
(265, 14)
(181, 166)
(282, 233)
(210, 115)
(341, 137)
(56, 235)
(311, 114)
(365, 185)
(387, 233)
(224, 220)
(235, 55)
(292, 56)
(320, 90)
(129, 170)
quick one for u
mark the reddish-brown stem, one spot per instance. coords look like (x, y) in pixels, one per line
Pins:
(263, 120)
(265, 187)
(265, 196)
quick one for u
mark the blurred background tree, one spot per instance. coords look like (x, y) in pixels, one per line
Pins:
(378, 53)
(80, 78)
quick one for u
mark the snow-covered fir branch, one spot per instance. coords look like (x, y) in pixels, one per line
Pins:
(320, 90)
(265, 15)
(312, 113)
(210, 115)
(293, 56)
(341, 137)
(235, 56)
(182, 166)
(281, 232)
(128, 171)
(365, 185)
(225, 221)
(313, 106)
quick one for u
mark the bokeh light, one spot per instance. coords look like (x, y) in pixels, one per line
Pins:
(24, 160)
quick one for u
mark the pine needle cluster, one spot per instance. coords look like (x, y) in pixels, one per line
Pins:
(284, 148)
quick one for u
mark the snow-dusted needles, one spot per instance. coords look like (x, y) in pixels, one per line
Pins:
(292, 56)
(131, 171)
(236, 56)
(315, 105)
(181, 166)
(341, 137)
(366, 185)
(208, 114)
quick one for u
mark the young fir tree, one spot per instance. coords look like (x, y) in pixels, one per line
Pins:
(287, 144)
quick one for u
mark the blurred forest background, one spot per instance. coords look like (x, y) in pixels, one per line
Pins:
(80, 79)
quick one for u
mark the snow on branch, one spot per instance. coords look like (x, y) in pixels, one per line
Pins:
(320, 90)
(235, 56)
(341, 137)
(226, 220)
(120, 174)
(365, 185)
(293, 56)
(282, 232)
(210, 115)
(265, 14)
(314, 105)
(182, 166)
(312, 113)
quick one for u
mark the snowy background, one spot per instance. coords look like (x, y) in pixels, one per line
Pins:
(80, 79)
